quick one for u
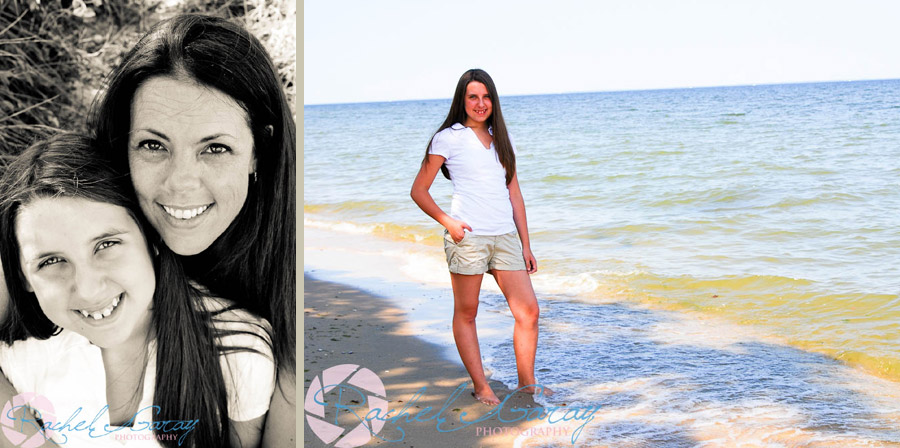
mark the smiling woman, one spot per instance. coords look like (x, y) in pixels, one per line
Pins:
(197, 114)
(190, 153)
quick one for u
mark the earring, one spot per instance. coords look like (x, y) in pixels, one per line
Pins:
(254, 177)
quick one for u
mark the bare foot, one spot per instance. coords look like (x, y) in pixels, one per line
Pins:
(544, 390)
(487, 397)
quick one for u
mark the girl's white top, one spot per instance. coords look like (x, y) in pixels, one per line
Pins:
(68, 370)
(480, 194)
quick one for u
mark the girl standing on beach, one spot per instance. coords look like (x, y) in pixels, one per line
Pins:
(486, 230)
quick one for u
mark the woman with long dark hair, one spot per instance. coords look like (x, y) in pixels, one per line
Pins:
(197, 115)
(102, 316)
(486, 229)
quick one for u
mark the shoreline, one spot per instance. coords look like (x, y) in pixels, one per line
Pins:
(344, 325)
(661, 376)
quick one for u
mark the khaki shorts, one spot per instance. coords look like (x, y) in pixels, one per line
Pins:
(477, 254)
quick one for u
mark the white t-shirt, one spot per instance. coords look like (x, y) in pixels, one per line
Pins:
(68, 370)
(480, 194)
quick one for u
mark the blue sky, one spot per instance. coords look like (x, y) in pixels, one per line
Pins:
(388, 50)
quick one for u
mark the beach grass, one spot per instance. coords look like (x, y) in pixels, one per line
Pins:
(54, 55)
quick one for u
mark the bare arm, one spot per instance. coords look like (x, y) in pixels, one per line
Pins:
(7, 392)
(246, 434)
(518, 206)
(27, 418)
(281, 423)
(420, 195)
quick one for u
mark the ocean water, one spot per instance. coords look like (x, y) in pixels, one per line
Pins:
(740, 245)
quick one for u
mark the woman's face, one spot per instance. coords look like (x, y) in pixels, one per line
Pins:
(478, 104)
(88, 264)
(190, 153)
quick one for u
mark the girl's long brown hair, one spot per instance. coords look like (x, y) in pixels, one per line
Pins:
(457, 114)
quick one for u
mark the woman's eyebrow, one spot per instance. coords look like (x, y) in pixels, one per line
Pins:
(152, 131)
(215, 136)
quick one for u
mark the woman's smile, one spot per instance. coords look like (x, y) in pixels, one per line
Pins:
(186, 213)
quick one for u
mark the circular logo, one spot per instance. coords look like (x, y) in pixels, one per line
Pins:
(358, 386)
(18, 416)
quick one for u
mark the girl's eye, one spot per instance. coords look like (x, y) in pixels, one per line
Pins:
(151, 145)
(49, 262)
(106, 245)
(217, 148)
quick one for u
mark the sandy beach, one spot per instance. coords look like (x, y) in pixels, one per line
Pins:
(660, 377)
(344, 325)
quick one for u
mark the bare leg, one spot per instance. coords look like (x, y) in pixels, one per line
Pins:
(516, 287)
(466, 289)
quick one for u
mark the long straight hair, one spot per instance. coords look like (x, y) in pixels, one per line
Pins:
(457, 114)
(253, 263)
(190, 384)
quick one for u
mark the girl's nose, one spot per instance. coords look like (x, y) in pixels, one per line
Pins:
(90, 284)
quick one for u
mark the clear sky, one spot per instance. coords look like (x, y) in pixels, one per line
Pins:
(386, 50)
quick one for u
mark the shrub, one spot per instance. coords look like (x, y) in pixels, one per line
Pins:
(54, 55)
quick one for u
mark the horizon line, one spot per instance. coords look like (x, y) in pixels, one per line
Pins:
(619, 91)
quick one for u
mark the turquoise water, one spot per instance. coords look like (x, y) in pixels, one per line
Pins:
(774, 208)
(775, 205)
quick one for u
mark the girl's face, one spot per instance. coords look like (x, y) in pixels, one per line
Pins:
(478, 104)
(89, 266)
(191, 155)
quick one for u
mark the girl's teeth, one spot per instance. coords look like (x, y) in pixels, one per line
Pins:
(97, 315)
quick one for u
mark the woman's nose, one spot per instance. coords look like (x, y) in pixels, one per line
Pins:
(183, 173)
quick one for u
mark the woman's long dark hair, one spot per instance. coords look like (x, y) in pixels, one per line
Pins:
(190, 384)
(457, 114)
(253, 262)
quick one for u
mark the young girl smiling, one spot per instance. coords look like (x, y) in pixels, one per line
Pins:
(486, 227)
(103, 322)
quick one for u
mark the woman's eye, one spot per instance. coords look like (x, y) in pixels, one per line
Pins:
(49, 262)
(106, 245)
(216, 149)
(151, 145)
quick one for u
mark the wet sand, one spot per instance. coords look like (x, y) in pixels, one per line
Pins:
(344, 325)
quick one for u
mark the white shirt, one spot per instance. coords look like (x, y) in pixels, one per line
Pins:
(68, 370)
(480, 194)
